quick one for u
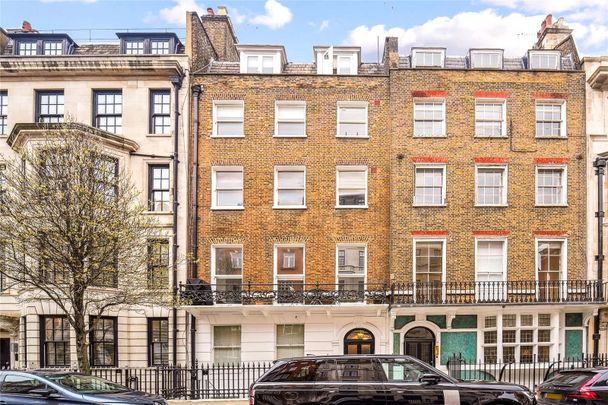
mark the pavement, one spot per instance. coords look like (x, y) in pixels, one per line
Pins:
(209, 401)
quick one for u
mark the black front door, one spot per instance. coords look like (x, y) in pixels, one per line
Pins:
(420, 343)
(359, 341)
(5, 353)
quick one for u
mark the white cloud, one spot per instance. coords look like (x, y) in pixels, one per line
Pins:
(276, 16)
(515, 33)
(324, 25)
(177, 13)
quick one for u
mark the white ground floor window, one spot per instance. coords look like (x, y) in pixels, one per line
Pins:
(290, 341)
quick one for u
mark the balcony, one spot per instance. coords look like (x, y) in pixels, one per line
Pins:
(406, 294)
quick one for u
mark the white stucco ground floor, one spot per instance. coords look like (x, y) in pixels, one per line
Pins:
(494, 334)
(37, 335)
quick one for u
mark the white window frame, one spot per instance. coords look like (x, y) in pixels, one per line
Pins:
(423, 100)
(487, 52)
(288, 277)
(245, 55)
(277, 105)
(214, 345)
(443, 242)
(213, 260)
(214, 171)
(505, 250)
(563, 133)
(278, 169)
(504, 116)
(563, 260)
(234, 103)
(505, 182)
(564, 168)
(428, 50)
(348, 168)
(352, 245)
(443, 167)
(357, 104)
(558, 57)
(276, 339)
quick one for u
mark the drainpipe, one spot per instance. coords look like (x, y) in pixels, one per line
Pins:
(600, 166)
(177, 84)
(196, 91)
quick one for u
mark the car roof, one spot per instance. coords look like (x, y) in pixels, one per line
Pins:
(584, 370)
(42, 373)
(348, 356)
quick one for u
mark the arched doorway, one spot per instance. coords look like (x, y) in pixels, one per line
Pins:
(419, 342)
(359, 341)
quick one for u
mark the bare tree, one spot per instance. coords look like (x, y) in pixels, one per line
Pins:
(74, 233)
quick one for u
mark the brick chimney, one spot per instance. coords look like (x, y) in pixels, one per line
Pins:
(26, 26)
(552, 34)
(391, 53)
(221, 34)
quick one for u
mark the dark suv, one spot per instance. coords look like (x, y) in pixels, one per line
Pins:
(374, 380)
(587, 386)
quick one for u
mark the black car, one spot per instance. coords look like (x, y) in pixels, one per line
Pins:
(62, 388)
(374, 380)
(587, 386)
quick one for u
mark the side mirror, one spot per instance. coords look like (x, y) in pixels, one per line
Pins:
(43, 392)
(429, 379)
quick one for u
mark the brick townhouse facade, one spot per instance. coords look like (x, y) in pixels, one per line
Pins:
(407, 206)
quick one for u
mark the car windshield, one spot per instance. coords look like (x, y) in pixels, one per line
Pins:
(572, 379)
(87, 384)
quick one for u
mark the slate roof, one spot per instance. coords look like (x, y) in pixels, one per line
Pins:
(90, 49)
(452, 62)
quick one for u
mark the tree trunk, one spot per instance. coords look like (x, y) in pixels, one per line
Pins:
(82, 353)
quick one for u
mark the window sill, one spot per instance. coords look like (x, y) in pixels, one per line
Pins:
(227, 208)
(491, 205)
(551, 205)
(158, 212)
(290, 136)
(159, 135)
(429, 205)
(289, 207)
(352, 137)
(340, 207)
(550, 137)
(490, 137)
(227, 136)
(429, 136)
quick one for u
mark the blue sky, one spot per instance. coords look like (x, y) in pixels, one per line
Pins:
(300, 24)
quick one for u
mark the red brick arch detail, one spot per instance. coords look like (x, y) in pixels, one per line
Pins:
(491, 233)
(429, 233)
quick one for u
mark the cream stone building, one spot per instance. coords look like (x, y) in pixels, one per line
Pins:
(134, 91)
(596, 71)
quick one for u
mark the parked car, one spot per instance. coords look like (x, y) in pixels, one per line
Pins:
(374, 379)
(585, 386)
(62, 388)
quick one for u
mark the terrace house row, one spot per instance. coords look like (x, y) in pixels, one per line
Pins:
(406, 206)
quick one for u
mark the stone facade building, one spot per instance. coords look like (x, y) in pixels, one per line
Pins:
(405, 207)
(126, 91)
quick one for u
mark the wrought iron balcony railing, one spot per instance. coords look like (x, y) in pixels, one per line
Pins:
(409, 293)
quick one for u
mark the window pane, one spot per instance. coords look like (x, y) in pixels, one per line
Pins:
(429, 186)
(291, 112)
(229, 111)
(290, 179)
(230, 128)
(229, 180)
(290, 260)
(229, 261)
(353, 114)
(227, 344)
(351, 129)
(351, 260)
(291, 198)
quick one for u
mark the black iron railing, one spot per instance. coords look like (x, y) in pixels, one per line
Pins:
(409, 293)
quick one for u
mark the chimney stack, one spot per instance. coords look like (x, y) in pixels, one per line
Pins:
(26, 26)
(222, 10)
(547, 22)
(210, 11)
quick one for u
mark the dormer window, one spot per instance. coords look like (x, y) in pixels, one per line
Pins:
(260, 64)
(134, 47)
(428, 57)
(337, 60)
(544, 60)
(148, 43)
(159, 47)
(53, 47)
(486, 59)
(27, 48)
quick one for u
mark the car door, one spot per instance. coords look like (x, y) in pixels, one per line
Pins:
(351, 380)
(17, 389)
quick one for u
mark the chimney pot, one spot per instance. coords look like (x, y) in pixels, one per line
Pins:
(222, 10)
(26, 26)
(210, 11)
